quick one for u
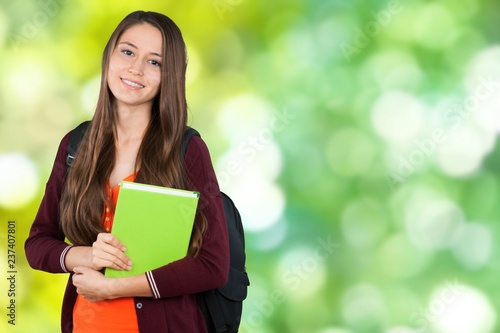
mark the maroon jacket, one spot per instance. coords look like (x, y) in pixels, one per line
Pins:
(174, 307)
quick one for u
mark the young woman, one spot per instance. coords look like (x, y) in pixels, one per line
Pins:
(134, 135)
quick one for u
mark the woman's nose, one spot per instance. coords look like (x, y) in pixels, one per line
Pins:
(136, 68)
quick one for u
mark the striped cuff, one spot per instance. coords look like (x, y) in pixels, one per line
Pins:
(152, 284)
(63, 256)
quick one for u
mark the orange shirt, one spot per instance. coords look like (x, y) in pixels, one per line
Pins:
(117, 315)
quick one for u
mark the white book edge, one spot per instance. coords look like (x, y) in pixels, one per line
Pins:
(159, 189)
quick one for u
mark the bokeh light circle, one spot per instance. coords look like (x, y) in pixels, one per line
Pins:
(458, 308)
(18, 180)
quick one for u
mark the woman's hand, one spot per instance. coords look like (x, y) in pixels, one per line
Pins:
(92, 284)
(107, 251)
(95, 287)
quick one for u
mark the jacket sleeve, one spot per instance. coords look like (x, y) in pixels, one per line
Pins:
(45, 246)
(210, 268)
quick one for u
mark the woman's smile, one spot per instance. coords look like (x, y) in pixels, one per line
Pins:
(132, 84)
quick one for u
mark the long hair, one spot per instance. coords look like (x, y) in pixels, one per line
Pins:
(158, 159)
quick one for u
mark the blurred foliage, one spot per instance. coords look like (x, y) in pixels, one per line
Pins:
(357, 137)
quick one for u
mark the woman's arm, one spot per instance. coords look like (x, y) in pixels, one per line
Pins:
(45, 247)
(94, 286)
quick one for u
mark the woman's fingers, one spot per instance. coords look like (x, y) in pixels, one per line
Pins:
(107, 251)
(102, 258)
(111, 240)
(91, 284)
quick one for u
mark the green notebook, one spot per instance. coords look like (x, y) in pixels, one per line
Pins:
(154, 223)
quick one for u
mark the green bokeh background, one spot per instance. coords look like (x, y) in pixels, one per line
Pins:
(358, 139)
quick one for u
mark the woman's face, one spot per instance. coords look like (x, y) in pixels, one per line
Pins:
(134, 72)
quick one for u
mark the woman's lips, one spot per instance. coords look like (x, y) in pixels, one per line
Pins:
(132, 84)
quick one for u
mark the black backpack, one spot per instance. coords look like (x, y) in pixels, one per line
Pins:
(221, 307)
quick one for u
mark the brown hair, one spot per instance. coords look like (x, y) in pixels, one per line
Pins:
(158, 160)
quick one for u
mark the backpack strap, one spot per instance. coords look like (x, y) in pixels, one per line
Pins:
(188, 134)
(74, 142)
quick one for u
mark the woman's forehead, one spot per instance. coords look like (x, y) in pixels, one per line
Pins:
(143, 36)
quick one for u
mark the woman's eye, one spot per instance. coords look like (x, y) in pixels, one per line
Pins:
(127, 52)
(154, 63)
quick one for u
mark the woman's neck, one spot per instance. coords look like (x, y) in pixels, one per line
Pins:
(132, 123)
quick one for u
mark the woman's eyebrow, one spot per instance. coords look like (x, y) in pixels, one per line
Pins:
(135, 47)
